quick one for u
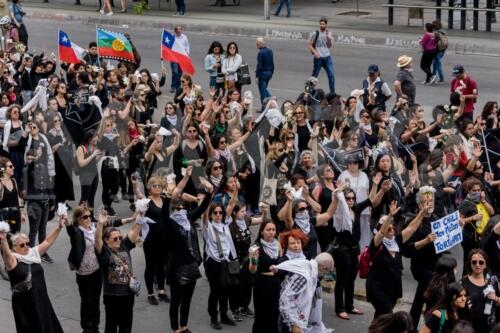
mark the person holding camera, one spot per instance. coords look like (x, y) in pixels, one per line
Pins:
(33, 311)
(313, 97)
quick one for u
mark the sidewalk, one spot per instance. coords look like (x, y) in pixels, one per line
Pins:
(248, 20)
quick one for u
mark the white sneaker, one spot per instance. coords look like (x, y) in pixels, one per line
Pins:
(109, 14)
(433, 79)
(176, 14)
(101, 11)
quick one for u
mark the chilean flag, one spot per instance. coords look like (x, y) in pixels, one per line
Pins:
(69, 52)
(173, 51)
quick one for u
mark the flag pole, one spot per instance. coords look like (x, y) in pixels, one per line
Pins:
(97, 42)
(486, 149)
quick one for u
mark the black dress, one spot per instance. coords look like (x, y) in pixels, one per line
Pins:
(33, 310)
(266, 295)
(9, 207)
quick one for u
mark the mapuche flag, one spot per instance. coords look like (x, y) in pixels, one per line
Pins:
(69, 52)
(114, 45)
(173, 51)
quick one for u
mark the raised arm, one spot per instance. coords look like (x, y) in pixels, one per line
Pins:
(415, 223)
(175, 144)
(322, 219)
(379, 236)
(8, 258)
(309, 199)
(51, 238)
(376, 197)
(208, 142)
(134, 232)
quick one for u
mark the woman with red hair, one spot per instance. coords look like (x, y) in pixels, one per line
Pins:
(293, 241)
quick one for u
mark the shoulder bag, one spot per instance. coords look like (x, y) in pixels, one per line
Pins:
(230, 269)
(243, 75)
(133, 284)
(188, 273)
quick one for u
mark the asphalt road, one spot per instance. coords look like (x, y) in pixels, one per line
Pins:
(293, 66)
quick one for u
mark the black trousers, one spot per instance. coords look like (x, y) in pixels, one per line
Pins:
(119, 313)
(180, 303)
(154, 254)
(423, 277)
(217, 295)
(382, 303)
(346, 264)
(426, 63)
(241, 297)
(266, 294)
(110, 185)
(89, 189)
(90, 287)
(38, 214)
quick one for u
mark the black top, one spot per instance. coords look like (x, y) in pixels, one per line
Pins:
(265, 261)
(110, 147)
(468, 208)
(160, 216)
(426, 257)
(483, 323)
(311, 249)
(10, 197)
(304, 135)
(241, 239)
(386, 270)
(491, 245)
(115, 277)
(433, 322)
(180, 253)
(346, 239)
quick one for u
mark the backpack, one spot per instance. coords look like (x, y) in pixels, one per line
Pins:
(442, 41)
(366, 260)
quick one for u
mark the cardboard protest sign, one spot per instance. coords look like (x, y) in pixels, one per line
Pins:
(448, 232)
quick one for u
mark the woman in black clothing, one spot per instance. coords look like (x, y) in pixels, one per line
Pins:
(266, 290)
(83, 261)
(346, 222)
(154, 87)
(184, 256)
(158, 157)
(134, 147)
(63, 156)
(450, 308)
(483, 292)
(443, 275)
(87, 156)
(13, 140)
(295, 213)
(219, 250)
(322, 193)
(11, 205)
(384, 283)
(110, 165)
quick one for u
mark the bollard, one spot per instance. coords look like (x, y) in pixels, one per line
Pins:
(391, 13)
(450, 14)
(463, 15)
(438, 11)
(267, 11)
(475, 16)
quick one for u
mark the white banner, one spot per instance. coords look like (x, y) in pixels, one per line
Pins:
(448, 232)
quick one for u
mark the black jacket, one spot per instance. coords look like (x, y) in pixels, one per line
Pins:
(77, 241)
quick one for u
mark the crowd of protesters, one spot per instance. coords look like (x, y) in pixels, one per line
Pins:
(325, 178)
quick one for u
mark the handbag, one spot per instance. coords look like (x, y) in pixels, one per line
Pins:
(243, 75)
(25, 285)
(230, 270)
(268, 193)
(134, 284)
(188, 273)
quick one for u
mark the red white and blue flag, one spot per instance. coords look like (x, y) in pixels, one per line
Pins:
(173, 51)
(69, 52)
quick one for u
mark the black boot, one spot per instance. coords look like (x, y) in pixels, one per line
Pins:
(215, 324)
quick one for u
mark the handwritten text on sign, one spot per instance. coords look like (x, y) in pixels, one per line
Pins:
(448, 232)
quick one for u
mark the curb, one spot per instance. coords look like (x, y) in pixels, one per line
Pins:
(297, 33)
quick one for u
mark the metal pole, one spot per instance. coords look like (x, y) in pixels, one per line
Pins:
(391, 13)
(463, 15)
(267, 12)
(486, 150)
(438, 11)
(475, 16)
(489, 4)
(450, 14)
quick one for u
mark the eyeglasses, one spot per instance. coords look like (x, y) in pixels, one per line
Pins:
(109, 125)
(297, 113)
(301, 209)
(22, 245)
(169, 107)
(179, 207)
(34, 127)
(222, 142)
(84, 217)
(477, 262)
(478, 167)
(192, 131)
(290, 138)
(350, 198)
(114, 239)
(156, 186)
(483, 123)
(365, 116)
(217, 212)
(217, 168)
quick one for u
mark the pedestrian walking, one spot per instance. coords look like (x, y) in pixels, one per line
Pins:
(17, 14)
(288, 4)
(320, 42)
(265, 69)
(442, 45)
(429, 50)
(176, 69)
(405, 84)
(180, 8)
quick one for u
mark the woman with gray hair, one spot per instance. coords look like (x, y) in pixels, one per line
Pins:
(31, 305)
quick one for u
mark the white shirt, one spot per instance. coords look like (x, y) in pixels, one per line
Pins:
(183, 41)
(360, 185)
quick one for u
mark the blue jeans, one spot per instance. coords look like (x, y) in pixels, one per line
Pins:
(288, 7)
(176, 75)
(180, 6)
(438, 66)
(264, 78)
(327, 64)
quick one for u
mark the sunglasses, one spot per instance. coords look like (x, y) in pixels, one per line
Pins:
(301, 209)
(34, 127)
(217, 212)
(297, 113)
(84, 217)
(217, 168)
(156, 186)
(114, 239)
(179, 207)
(365, 116)
(350, 198)
(291, 138)
(222, 142)
(477, 262)
(192, 131)
(22, 245)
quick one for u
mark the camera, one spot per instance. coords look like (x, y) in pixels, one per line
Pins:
(309, 87)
